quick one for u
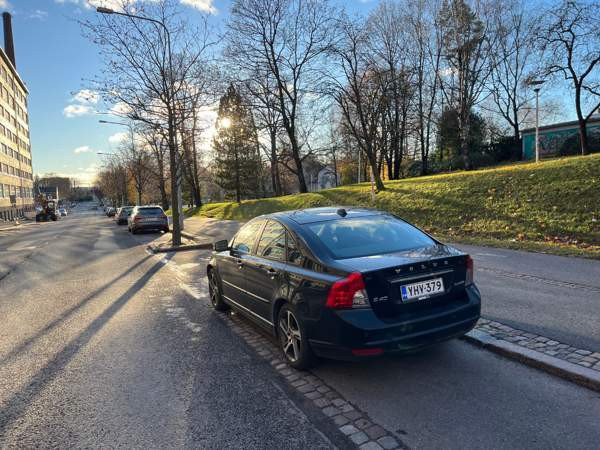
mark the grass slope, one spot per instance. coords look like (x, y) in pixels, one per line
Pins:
(552, 206)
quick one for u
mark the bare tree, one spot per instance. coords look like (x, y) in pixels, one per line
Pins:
(112, 179)
(261, 94)
(512, 62)
(136, 159)
(156, 141)
(359, 90)
(468, 41)
(290, 38)
(570, 42)
(148, 69)
(389, 49)
(426, 53)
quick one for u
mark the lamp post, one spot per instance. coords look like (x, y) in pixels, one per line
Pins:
(536, 88)
(174, 159)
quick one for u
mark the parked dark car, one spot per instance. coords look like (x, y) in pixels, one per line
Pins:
(147, 218)
(110, 212)
(122, 214)
(344, 283)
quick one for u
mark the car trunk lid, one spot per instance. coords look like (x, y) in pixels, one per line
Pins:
(385, 275)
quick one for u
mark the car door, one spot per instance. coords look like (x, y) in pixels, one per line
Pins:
(232, 264)
(265, 268)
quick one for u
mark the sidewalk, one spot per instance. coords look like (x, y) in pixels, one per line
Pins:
(209, 230)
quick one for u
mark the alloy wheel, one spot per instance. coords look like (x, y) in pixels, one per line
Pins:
(290, 336)
(213, 289)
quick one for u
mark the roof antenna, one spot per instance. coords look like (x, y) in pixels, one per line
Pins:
(342, 212)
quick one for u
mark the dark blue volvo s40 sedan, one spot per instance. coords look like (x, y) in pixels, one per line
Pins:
(344, 283)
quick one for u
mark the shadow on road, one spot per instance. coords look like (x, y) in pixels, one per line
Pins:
(16, 405)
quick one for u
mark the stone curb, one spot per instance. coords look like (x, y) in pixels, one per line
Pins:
(572, 372)
(180, 248)
(358, 428)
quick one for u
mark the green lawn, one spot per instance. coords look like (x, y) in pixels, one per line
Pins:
(553, 206)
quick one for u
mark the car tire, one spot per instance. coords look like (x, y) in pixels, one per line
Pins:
(134, 231)
(214, 292)
(292, 338)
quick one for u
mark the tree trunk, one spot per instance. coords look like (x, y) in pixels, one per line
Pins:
(377, 176)
(238, 197)
(582, 122)
(275, 181)
(583, 137)
(298, 161)
(174, 164)
(162, 183)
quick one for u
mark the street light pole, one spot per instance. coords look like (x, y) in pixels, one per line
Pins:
(174, 158)
(536, 89)
(537, 124)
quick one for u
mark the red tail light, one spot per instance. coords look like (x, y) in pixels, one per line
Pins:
(348, 293)
(469, 276)
(136, 218)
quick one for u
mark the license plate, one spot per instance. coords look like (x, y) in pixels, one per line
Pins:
(422, 289)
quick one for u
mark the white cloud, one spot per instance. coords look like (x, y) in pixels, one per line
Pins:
(38, 14)
(86, 96)
(83, 149)
(202, 5)
(119, 137)
(71, 111)
(4, 4)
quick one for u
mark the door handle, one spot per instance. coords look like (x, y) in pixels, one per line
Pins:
(240, 263)
(272, 272)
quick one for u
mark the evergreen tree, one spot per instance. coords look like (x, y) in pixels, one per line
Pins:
(237, 159)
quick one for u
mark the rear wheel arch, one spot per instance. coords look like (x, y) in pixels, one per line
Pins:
(277, 305)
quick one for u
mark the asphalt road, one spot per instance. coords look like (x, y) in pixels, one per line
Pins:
(105, 346)
(100, 347)
(555, 296)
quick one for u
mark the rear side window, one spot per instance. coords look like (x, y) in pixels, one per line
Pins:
(366, 236)
(272, 242)
(245, 238)
(294, 256)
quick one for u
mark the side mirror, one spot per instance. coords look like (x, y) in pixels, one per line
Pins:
(221, 246)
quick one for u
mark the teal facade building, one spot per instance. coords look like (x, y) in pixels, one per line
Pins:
(555, 138)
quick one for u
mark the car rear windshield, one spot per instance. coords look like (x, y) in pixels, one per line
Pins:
(366, 236)
(150, 212)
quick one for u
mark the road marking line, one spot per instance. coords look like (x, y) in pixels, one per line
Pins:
(524, 276)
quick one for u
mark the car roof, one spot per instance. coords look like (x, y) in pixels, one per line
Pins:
(310, 215)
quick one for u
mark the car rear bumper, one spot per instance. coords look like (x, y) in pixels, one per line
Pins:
(359, 334)
(149, 226)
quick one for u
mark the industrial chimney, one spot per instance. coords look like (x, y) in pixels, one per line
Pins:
(9, 46)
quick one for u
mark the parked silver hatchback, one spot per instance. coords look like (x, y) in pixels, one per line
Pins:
(147, 218)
